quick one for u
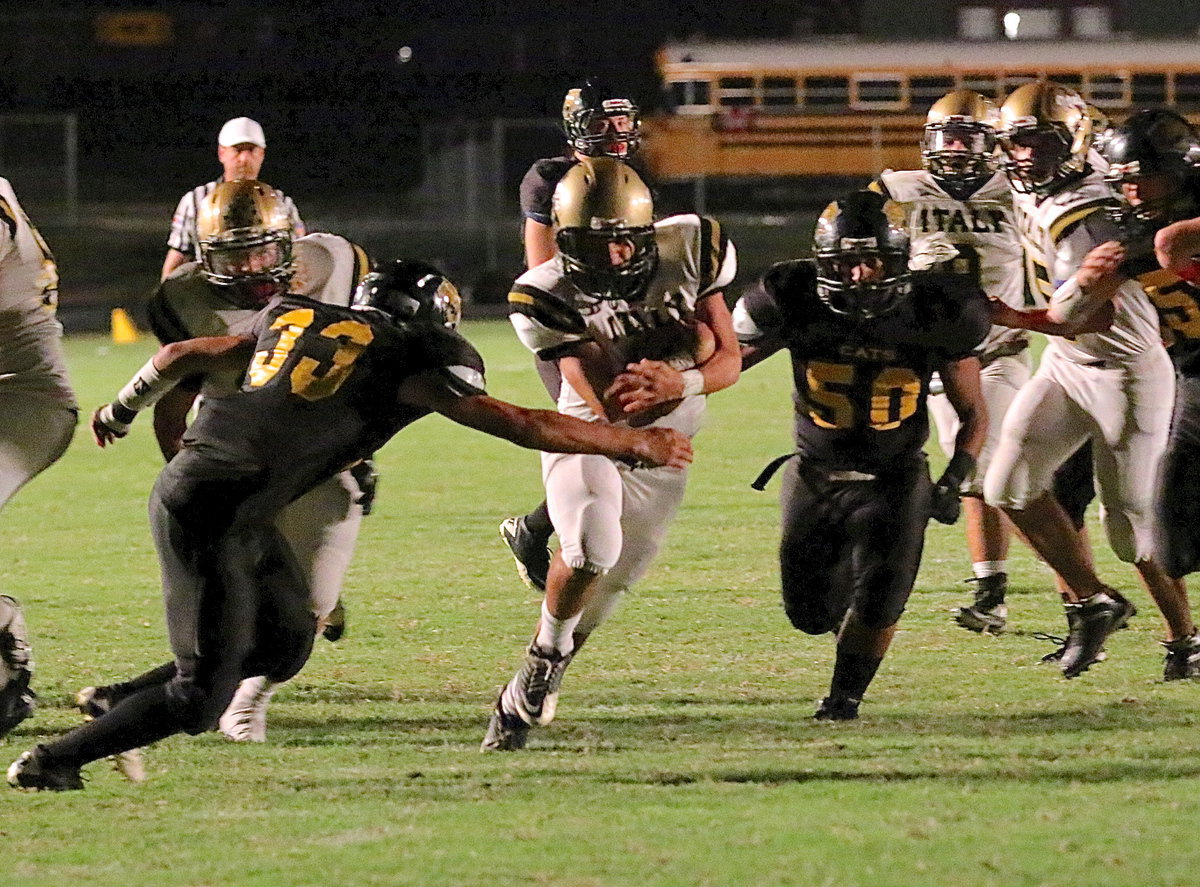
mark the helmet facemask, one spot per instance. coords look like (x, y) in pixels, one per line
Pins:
(256, 264)
(597, 127)
(610, 261)
(959, 149)
(862, 257)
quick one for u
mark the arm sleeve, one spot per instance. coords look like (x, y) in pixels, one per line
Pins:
(454, 365)
(756, 316)
(536, 195)
(1076, 239)
(718, 258)
(544, 323)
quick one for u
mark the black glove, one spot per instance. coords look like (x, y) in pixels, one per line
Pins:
(367, 478)
(944, 504)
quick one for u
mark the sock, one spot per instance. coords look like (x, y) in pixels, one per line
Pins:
(556, 634)
(538, 522)
(983, 569)
(139, 720)
(852, 674)
(155, 676)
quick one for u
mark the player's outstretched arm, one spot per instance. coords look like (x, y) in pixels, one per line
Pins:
(160, 374)
(965, 393)
(1176, 247)
(546, 430)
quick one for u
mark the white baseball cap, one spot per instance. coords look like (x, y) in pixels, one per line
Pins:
(241, 131)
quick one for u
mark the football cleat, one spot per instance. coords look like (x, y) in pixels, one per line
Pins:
(531, 553)
(34, 770)
(537, 684)
(17, 702)
(96, 701)
(505, 732)
(1183, 658)
(1091, 621)
(335, 623)
(837, 708)
(988, 613)
(245, 720)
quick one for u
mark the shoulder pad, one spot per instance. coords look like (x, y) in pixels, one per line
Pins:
(548, 309)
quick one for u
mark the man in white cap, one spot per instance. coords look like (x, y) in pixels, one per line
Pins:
(241, 148)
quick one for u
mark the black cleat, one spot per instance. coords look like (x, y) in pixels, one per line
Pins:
(35, 770)
(837, 708)
(1183, 658)
(531, 553)
(988, 613)
(1091, 621)
(505, 732)
(17, 702)
(335, 623)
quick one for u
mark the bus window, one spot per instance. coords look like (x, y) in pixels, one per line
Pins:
(984, 84)
(827, 92)
(736, 92)
(878, 92)
(1107, 90)
(779, 92)
(1012, 80)
(1070, 79)
(1148, 89)
(924, 91)
(1187, 91)
(686, 95)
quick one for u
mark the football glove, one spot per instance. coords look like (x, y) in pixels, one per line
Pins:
(944, 503)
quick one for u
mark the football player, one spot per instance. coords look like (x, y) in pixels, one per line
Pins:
(865, 335)
(248, 256)
(597, 122)
(620, 308)
(1154, 168)
(326, 385)
(959, 216)
(1112, 385)
(37, 410)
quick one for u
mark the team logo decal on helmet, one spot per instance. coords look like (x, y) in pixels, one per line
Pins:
(411, 293)
(604, 227)
(597, 122)
(862, 256)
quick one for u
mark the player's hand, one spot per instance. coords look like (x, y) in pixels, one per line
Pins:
(1174, 247)
(645, 384)
(944, 504)
(1005, 315)
(110, 423)
(1102, 261)
(663, 446)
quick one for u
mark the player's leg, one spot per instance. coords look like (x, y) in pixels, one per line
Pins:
(886, 530)
(1177, 491)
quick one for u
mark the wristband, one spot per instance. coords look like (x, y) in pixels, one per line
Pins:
(693, 382)
(107, 417)
(145, 389)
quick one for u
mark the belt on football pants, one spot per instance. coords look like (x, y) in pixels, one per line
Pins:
(842, 475)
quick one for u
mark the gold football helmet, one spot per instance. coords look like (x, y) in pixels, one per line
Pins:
(603, 218)
(959, 140)
(1045, 131)
(245, 237)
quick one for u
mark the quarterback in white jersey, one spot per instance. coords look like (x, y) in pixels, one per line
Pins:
(960, 218)
(632, 311)
(37, 408)
(209, 299)
(1113, 385)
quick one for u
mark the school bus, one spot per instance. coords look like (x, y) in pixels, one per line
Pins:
(856, 108)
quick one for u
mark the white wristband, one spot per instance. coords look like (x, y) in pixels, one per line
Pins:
(110, 421)
(693, 382)
(145, 389)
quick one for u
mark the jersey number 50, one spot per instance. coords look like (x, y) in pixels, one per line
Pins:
(833, 392)
(307, 381)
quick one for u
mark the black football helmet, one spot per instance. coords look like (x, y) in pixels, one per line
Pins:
(412, 293)
(861, 247)
(1155, 143)
(597, 122)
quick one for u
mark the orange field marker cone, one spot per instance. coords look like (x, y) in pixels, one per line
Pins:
(124, 330)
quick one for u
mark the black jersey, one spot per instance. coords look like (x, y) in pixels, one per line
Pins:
(537, 188)
(1178, 305)
(321, 390)
(861, 385)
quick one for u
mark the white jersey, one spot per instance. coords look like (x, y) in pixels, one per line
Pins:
(183, 223)
(551, 314)
(31, 357)
(983, 228)
(327, 268)
(1058, 231)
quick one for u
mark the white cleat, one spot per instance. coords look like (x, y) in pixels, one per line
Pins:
(245, 720)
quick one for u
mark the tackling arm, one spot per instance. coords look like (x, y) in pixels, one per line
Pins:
(547, 430)
(965, 392)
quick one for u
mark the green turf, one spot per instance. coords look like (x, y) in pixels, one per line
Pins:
(684, 753)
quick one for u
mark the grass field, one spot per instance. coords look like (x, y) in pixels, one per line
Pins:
(684, 752)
